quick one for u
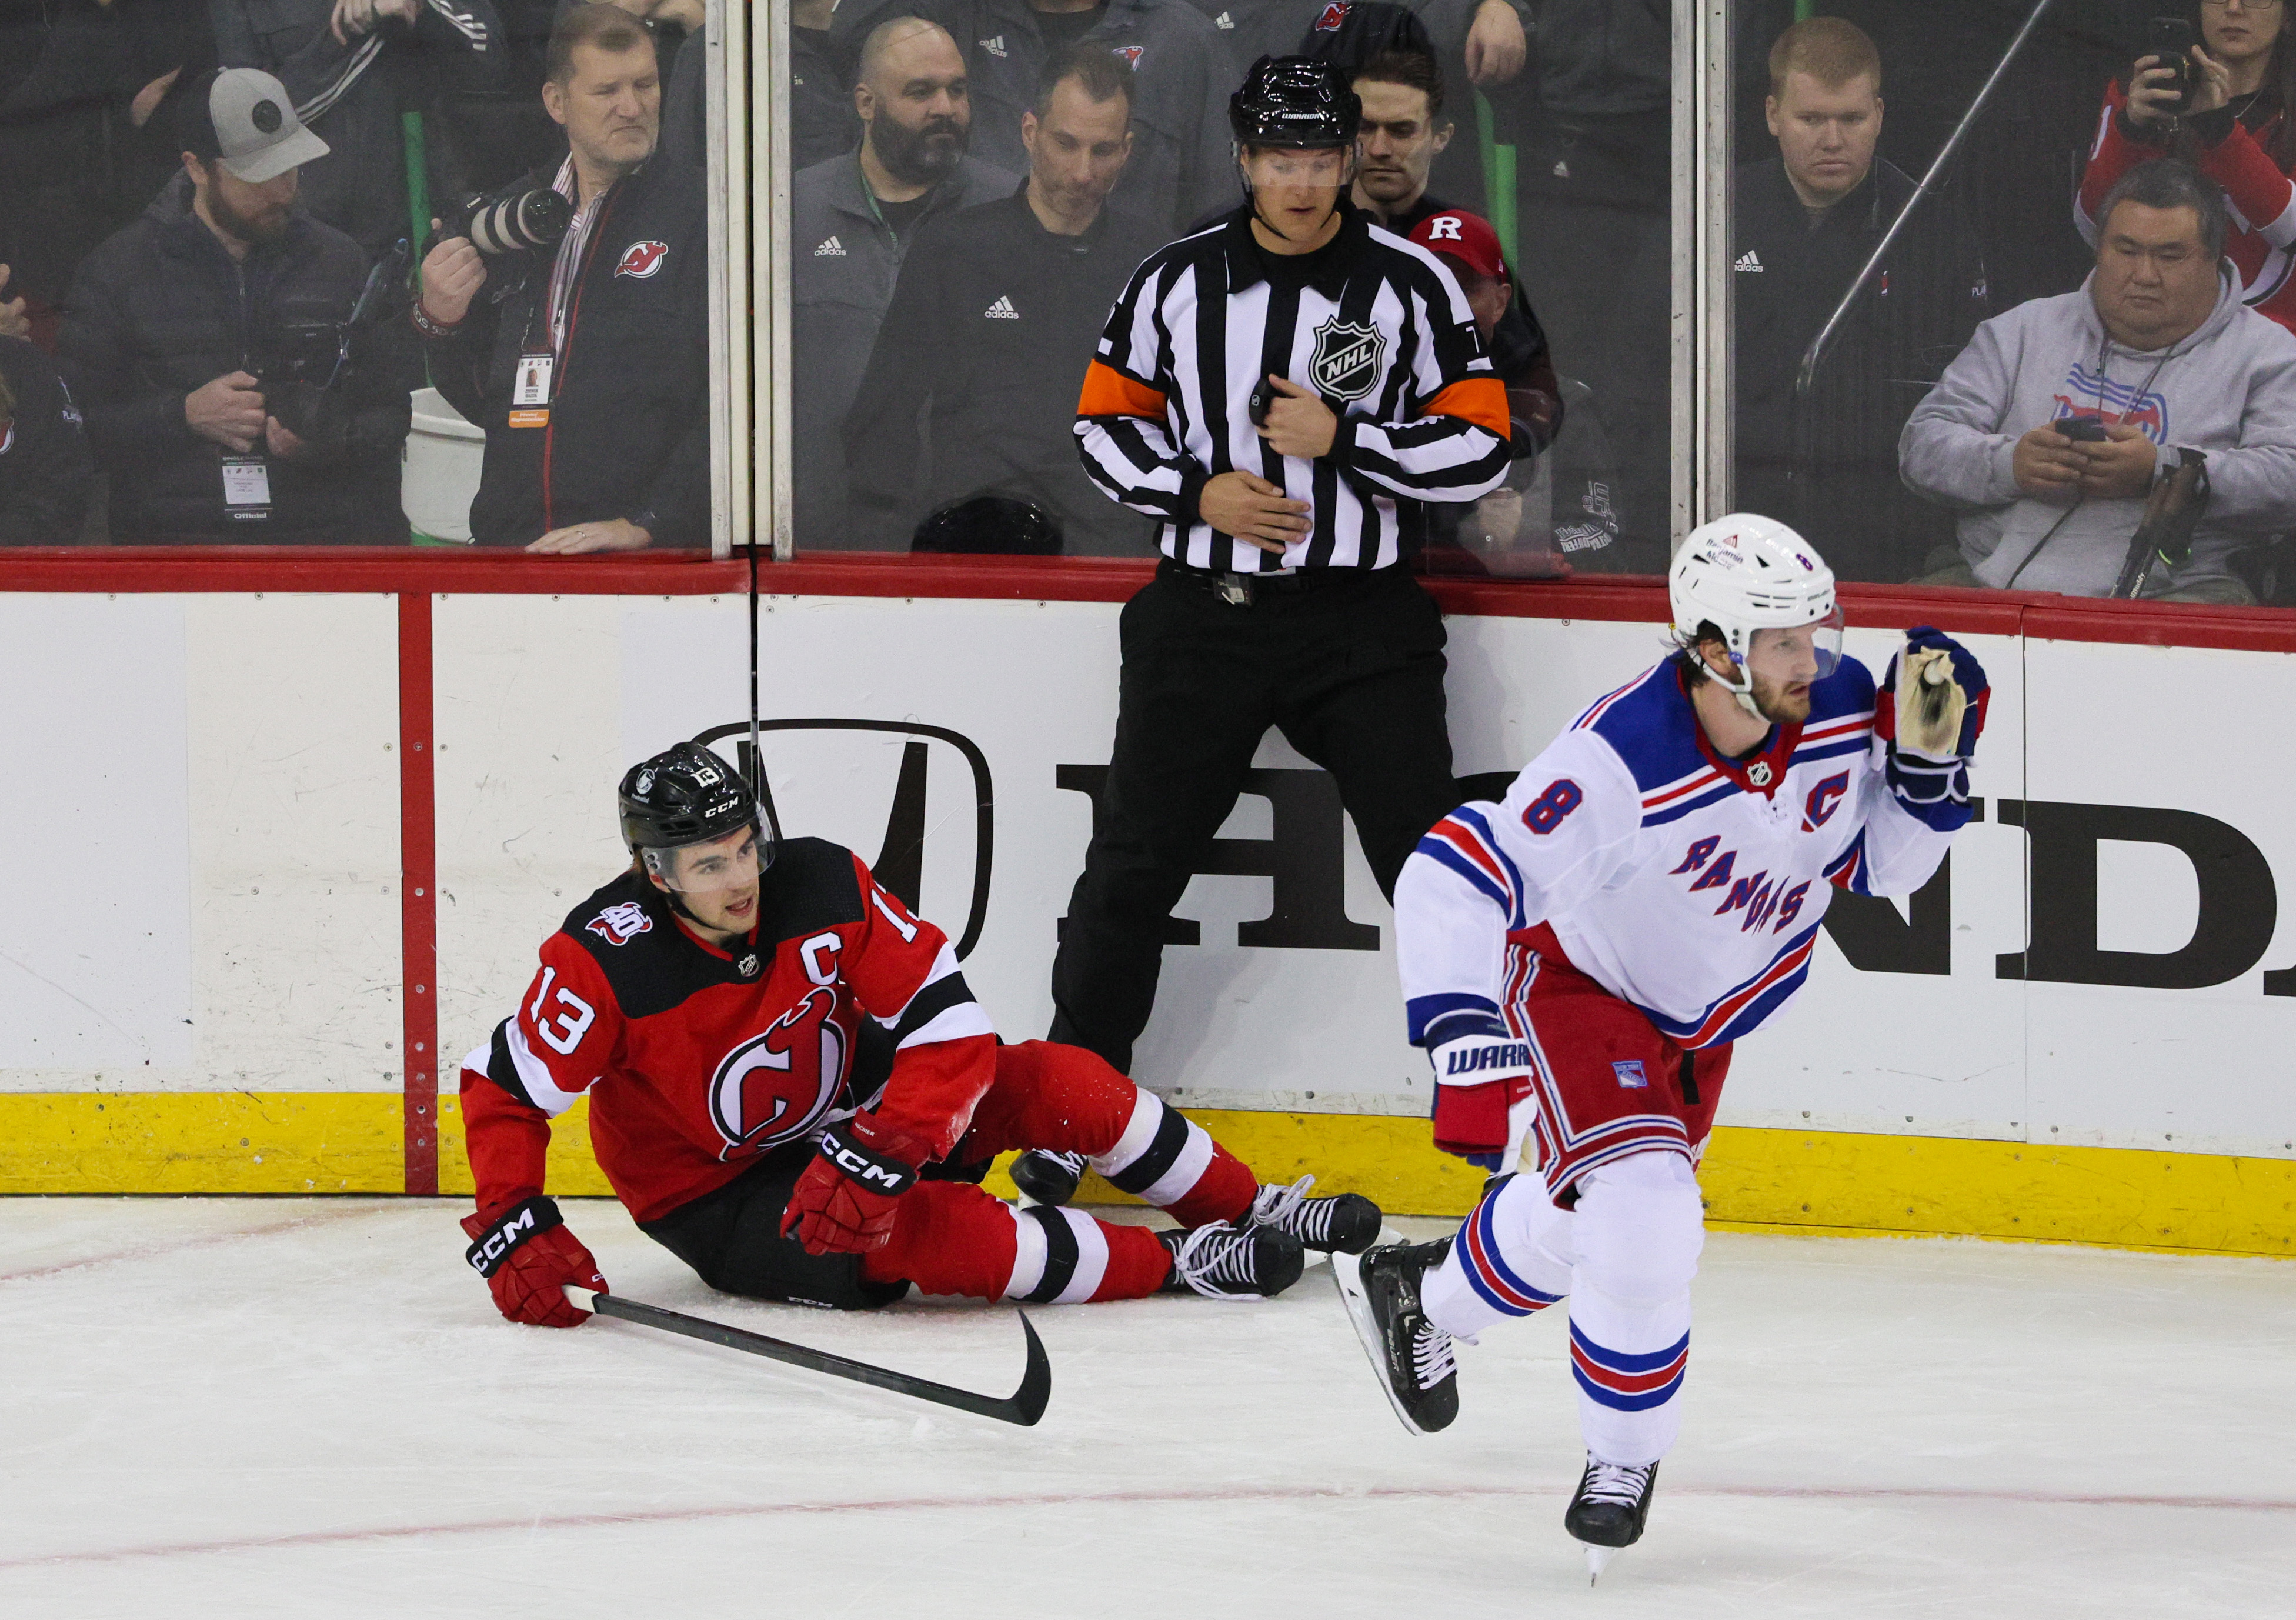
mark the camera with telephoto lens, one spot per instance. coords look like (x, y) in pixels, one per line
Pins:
(519, 218)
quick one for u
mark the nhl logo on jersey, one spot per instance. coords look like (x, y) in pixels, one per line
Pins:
(1759, 773)
(619, 924)
(1346, 364)
(747, 965)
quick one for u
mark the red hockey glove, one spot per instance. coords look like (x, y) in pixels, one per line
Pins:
(1479, 1079)
(843, 1203)
(528, 1257)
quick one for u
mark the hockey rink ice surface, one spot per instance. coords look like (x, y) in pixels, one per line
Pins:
(259, 1407)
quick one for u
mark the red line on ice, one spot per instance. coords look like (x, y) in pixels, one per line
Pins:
(668, 1516)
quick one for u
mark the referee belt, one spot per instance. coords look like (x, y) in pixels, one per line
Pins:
(1243, 590)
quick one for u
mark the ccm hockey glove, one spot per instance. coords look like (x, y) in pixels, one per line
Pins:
(843, 1203)
(1482, 1082)
(528, 1257)
(1928, 716)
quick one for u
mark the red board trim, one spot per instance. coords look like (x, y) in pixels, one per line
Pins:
(418, 892)
(438, 572)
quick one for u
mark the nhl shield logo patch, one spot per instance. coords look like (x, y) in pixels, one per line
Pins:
(1347, 361)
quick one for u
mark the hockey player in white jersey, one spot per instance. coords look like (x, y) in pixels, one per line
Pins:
(1579, 960)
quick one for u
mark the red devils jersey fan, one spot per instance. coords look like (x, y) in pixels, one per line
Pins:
(793, 1090)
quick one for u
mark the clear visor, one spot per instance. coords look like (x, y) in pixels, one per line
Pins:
(1807, 651)
(730, 862)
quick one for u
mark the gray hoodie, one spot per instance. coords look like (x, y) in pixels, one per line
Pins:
(2229, 390)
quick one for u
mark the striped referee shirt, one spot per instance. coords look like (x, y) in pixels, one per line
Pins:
(1373, 325)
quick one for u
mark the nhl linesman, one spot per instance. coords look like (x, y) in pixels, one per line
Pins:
(1286, 390)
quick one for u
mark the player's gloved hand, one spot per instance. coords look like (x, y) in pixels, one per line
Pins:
(528, 1257)
(1480, 1080)
(1928, 715)
(843, 1203)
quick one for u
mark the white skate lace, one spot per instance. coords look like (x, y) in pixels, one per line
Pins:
(1615, 1482)
(1214, 1255)
(1073, 1162)
(1309, 1219)
(1431, 1355)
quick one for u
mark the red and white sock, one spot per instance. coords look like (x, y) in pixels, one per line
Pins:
(1065, 1257)
(1166, 1159)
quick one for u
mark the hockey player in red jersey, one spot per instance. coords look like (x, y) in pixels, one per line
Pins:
(793, 1090)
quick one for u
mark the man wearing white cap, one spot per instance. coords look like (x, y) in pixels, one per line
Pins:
(210, 344)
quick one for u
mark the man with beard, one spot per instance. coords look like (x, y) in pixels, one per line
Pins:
(207, 345)
(588, 367)
(853, 219)
(993, 319)
(1579, 959)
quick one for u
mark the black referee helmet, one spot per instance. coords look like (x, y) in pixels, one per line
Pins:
(1294, 101)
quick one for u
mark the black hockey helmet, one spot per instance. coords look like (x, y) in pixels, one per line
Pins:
(683, 795)
(1293, 101)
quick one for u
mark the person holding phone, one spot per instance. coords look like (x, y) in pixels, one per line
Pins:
(2214, 86)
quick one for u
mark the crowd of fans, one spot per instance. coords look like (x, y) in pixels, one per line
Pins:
(236, 238)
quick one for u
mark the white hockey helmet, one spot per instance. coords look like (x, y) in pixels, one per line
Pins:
(1743, 574)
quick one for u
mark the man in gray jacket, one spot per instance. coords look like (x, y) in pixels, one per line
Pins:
(852, 220)
(2157, 353)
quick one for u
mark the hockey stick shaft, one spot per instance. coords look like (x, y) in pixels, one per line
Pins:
(1024, 1406)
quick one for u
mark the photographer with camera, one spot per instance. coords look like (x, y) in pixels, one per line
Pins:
(2148, 406)
(568, 317)
(2225, 103)
(237, 385)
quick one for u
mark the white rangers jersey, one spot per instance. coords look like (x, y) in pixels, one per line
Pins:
(1687, 884)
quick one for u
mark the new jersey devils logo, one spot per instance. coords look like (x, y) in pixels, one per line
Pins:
(641, 260)
(773, 1086)
(1333, 15)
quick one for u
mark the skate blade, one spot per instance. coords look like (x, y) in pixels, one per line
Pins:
(1346, 1276)
(1598, 1559)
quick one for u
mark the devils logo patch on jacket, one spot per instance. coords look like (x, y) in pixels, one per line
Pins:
(1348, 360)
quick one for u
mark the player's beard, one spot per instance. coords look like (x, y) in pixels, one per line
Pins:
(1780, 703)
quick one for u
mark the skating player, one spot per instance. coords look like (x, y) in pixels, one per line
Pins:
(792, 1090)
(1579, 959)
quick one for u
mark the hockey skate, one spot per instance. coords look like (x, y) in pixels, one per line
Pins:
(1411, 1354)
(1047, 1177)
(1608, 1512)
(1348, 1222)
(1233, 1260)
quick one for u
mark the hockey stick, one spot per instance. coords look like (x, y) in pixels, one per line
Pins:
(1024, 1406)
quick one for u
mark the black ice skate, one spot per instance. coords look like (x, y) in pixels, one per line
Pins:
(1047, 1176)
(1412, 1356)
(1607, 1514)
(1345, 1221)
(1233, 1260)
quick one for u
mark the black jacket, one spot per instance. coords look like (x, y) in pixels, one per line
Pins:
(161, 309)
(971, 387)
(1828, 464)
(44, 468)
(629, 428)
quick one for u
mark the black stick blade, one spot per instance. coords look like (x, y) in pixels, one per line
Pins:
(1024, 1406)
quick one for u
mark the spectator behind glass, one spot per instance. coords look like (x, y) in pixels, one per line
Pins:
(44, 467)
(2158, 351)
(822, 124)
(1179, 169)
(2240, 132)
(1477, 42)
(1807, 219)
(680, 39)
(994, 317)
(203, 342)
(78, 158)
(1596, 177)
(853, 219)
(587, 366)
(353, 67)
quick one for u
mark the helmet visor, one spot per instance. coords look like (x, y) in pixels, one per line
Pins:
(721, 864)
(1806, 652)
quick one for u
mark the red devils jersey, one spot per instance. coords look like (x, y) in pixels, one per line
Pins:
(697, 1060)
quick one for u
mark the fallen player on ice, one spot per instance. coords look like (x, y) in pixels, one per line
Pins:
(792, 1090)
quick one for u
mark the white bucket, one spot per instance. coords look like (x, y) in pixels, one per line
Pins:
(439, 469)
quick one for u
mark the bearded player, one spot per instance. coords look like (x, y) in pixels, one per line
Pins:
(1579, 959)
(793, 1091)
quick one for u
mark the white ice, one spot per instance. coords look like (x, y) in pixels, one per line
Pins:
(252, 1408)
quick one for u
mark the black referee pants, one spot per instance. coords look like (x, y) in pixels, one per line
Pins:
(1348, 665)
